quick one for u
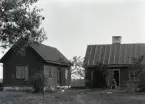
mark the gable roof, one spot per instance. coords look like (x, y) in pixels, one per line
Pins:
(47, 53)
(50, 54)
(113, 53)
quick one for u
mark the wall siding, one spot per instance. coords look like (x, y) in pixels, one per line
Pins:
(31, 60)
(98, 79)
(35, 64)
(53, 81)
(95, 81)
(124, 77)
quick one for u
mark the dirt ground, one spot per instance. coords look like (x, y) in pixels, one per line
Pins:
(72, 97)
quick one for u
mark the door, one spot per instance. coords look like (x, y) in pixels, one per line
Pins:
(117, 76)
(59, 76)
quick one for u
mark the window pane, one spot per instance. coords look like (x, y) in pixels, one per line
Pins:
(50, 73)
(22, 72)
(18, 72)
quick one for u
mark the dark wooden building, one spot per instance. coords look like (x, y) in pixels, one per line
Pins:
(116, 57)
(18, 68)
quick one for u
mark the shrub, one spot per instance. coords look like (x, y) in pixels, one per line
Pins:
(37, 82)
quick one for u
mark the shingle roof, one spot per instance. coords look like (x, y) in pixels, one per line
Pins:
(113, 53)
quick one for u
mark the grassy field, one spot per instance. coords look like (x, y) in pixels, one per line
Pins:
(72, 97)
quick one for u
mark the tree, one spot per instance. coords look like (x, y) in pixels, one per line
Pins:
(135, 73)
(104, 70)
(136, 69)
(19, 21)
(77, 69)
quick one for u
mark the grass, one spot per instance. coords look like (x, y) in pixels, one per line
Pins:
(72, 97)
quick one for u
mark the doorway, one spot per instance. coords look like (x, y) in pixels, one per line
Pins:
(59, 81)
(117, 76)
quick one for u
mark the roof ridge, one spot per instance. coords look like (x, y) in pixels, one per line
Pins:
(112, 44)
(46, 45)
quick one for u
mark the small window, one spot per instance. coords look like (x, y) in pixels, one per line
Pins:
(22, 72)
(21, 52)
(50, 73)
(133, 76)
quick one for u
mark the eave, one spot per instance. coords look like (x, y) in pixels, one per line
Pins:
(113, 65)
(58, 63)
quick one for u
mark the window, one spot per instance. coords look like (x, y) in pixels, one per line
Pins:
(21, 52)
(22, 72)
(133, 75)
(50, 73)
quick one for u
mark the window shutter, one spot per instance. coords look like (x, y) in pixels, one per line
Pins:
(26, 73)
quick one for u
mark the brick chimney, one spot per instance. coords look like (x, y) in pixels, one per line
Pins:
(116, 39)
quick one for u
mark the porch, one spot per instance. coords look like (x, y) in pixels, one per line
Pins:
(57, 76)
(95, 78)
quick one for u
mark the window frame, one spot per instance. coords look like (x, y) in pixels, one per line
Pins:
(22, 52)
(21, 72)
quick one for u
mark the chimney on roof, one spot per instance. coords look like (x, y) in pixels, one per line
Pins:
(116, 39)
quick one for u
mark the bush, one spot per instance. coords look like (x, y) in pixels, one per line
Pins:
(37, 82)
(132, 85)
(141, 87)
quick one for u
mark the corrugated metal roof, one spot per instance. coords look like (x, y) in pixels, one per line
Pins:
(113, 53)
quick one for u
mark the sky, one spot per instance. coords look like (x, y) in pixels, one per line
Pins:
(71, 25)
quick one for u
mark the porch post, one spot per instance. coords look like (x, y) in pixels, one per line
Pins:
(69, 76)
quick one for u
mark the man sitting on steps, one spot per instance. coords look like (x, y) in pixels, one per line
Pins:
(113, 84)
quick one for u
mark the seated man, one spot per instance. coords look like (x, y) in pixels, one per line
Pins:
(113, 84)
